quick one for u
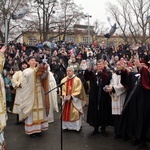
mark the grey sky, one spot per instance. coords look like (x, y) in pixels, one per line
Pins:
(95, 8)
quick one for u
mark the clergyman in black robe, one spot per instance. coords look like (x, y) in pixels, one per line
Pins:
(135, 117)
(99, 107)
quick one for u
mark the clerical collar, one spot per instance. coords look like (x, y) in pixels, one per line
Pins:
(71, 76)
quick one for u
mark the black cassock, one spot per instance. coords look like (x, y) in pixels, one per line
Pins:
(135, 119)
(128, 120)
(99, 107)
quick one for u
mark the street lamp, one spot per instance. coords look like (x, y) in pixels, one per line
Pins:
(148, 20)
(88, 16)
(6, 31)
(20, 15)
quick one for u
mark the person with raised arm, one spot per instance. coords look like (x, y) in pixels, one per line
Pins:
(35, 105)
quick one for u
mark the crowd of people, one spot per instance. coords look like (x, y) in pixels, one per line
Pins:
(115, 78)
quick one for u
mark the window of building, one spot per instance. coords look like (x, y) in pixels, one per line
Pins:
(85, 39)
(32, 40)
(70, 38)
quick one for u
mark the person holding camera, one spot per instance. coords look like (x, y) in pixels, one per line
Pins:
(99, 107)
(118, 95)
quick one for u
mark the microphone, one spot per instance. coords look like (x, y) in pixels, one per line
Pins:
(61, 84)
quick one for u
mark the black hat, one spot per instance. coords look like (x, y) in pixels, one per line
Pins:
(24, 62)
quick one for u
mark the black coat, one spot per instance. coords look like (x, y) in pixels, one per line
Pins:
(99, 107)
(128, 120)
(135, 119)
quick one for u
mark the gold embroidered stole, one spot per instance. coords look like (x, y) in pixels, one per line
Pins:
(2, 103)
(70, 113)
(37, 110)
(45, 83)
(2, 61)
(2, 109)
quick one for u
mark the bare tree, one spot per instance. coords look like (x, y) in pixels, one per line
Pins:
(58, 15)
(15, 27)
(70, 15)
(130, 15)
(99, 29)
(45, 12)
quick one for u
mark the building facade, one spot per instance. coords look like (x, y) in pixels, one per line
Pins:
(78, 34)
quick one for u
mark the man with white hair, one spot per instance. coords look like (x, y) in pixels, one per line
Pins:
(74, 99)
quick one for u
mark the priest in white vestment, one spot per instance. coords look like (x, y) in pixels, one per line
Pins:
(3, 113)
(118, 94)
(35, 104)
(17, 85)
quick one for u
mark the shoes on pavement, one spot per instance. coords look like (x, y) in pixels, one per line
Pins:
(126, 138)
(33, 135)
(142, 145)
(80, 130)
(117, 137)
(104, 133)
(64, 130)
(39, 134)
(135, 142)
(94, 132)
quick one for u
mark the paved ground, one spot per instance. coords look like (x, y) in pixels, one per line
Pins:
(71, 140)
